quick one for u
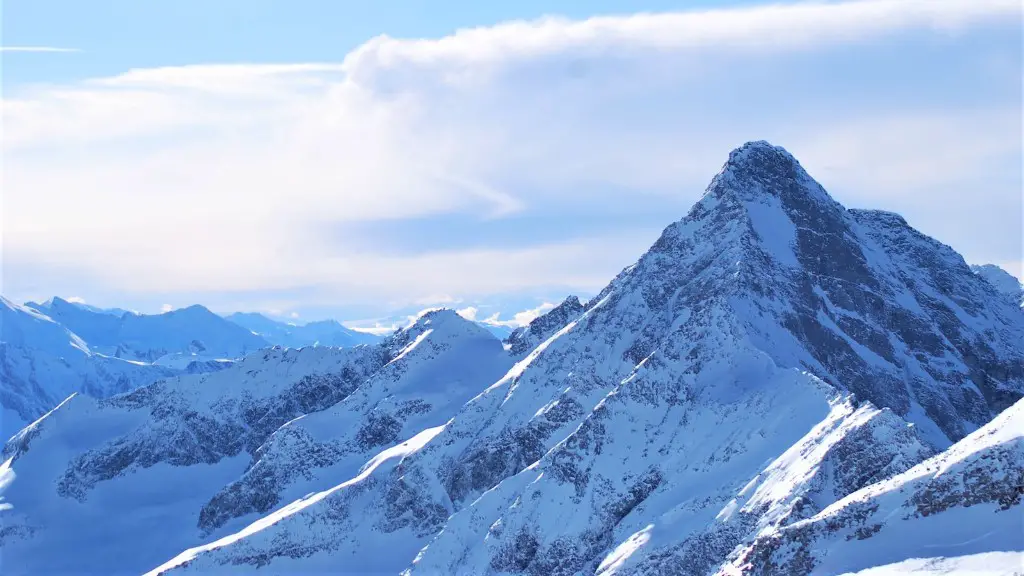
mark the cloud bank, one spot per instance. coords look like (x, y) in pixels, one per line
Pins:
(258, 179)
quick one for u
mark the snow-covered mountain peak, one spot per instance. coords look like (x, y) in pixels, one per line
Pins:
(760, 155)
(526, 338)
(318, 333)
(443, 323)
(770, 355)
(27, 328)
(1002, 281)
(760, 168)
(883, 218)
(438, 316)
(57, 306)
(196, 310)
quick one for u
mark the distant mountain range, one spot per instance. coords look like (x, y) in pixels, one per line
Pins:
(42, 363)
(779, 385)
(53, 349)
(322, 333)
(150, 337)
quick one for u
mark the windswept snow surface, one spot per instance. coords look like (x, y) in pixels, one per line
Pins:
(965, 501)
(286, 519)
(984, 564)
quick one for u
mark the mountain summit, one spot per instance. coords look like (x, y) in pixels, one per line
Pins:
(759, 167)
(774, 361)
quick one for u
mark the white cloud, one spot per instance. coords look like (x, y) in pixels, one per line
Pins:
(166, 308)
(520, 318)
(36, 49)
(778, 27)
(293, 315)
(76, 300)
(376, 330)
(920, 150)
(236, 177)
(469, 312)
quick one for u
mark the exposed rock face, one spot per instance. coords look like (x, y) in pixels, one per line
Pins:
(188, 426)
(526, 338)
(964, 501)
(1002, 281)
(771, 355)
(440, 363)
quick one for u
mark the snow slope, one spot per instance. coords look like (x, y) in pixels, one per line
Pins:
(1002, 281)
(320, 333)
(164, 467)
(42, 363)
(984, 564)
(965, 501)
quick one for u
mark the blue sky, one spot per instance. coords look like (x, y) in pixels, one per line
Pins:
(363, 160)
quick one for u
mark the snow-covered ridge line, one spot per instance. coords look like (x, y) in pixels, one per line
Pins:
(963, 501)
(395, 453)
(771, 355)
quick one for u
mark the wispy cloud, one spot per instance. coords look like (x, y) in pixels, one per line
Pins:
(177, 167)
(36, 49)
(519, 318)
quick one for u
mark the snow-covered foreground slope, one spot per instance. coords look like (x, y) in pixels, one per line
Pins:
(770, 356)
(165, 467)
(965, 501)
(984, 564)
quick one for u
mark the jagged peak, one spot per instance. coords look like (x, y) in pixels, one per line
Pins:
(522, 339)
(40, 305)
(880, 216)
(760, 168)
(571, 302)
(18, 308)
(1001, 280)
(193, 309)
(436, 324)
(759, 149)
(441, 319)
(761, 158)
